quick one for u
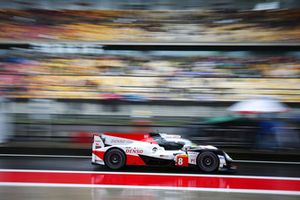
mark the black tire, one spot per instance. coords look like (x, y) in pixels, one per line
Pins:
(208, 161)
(115, 159)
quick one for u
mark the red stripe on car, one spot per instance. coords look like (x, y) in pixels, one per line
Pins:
(144, 137)
(134, 160)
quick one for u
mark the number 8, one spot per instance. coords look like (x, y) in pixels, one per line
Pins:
(180, 161)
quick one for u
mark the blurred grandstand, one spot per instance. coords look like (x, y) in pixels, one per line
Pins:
(71, 68)
(196, 25)
(151, 75)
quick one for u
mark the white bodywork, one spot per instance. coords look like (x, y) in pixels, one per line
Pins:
(135, 148)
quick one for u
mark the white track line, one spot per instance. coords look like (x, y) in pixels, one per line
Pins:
(266, 162)
(71, 156)
(151, 174)
(43, 156)
(278, 192)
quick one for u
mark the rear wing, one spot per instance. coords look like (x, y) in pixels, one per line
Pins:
(97, 142)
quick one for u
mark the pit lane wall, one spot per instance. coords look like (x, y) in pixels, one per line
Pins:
(73, 122)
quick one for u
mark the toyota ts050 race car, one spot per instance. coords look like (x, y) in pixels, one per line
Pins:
(116, 150)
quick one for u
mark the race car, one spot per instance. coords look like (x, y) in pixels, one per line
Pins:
(117, 150)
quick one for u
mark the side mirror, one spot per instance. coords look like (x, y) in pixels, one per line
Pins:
(186, 148)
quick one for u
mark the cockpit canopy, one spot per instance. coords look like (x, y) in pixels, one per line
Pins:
(170, 142)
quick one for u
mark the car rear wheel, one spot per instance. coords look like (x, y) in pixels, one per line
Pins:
(208, 161)
(115, 159)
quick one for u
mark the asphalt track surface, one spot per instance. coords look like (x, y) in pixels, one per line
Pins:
(15, 192)
(84, 164)
(58, 193)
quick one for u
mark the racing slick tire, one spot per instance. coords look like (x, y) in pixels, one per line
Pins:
(115, 159)
(208, 161)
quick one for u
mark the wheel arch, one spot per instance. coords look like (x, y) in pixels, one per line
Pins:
(215, 151)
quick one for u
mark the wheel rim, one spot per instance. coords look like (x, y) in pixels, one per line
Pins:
(115, 159)
(207, 161)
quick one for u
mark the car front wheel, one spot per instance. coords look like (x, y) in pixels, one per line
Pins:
(208, 161)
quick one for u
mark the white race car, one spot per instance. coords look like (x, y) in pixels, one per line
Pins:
(116, 150)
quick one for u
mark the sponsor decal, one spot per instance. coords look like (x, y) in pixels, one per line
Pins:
(134, 150)
(193, 157)
(117, 141)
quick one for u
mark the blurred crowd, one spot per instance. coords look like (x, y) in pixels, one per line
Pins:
(64, 61)
(150, 26)
(142, 76)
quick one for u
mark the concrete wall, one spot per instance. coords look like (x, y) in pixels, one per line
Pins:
(134, 110)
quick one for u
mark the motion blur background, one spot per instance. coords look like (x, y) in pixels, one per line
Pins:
(72, 68)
